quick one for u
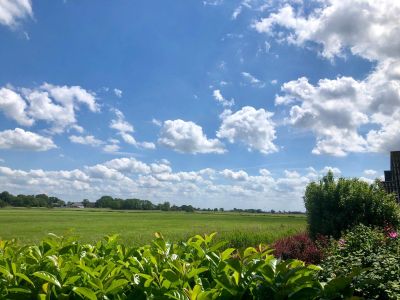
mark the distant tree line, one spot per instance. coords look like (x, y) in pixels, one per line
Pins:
(138, 204)
(41, 200)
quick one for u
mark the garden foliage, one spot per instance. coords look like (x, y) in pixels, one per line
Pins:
(59, 268)
(302, 247)
(337, 205)
(376, 253)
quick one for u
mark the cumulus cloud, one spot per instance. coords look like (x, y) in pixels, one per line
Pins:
(369, 28)
(55, 105)
(86, 140)
(239, 175)
(14, 106)
(127, 176)
(339, 111)
(111, 148)
(221, 100)
(125, 130)
(19, 139)
(12, 12)
(253, 80)
(187, 137)
(251, 127)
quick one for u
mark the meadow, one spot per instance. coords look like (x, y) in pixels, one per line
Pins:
(138, 227)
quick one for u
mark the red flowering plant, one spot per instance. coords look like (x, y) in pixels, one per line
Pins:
(390, 232)
(302, 247)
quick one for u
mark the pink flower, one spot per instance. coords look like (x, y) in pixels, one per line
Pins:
(341, 243)
(393, 234)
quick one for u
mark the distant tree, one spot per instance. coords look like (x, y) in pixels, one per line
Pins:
(3, 203)
(7, 197)
(86, 203)
(165, 206)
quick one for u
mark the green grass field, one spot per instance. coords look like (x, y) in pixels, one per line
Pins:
(138, 227)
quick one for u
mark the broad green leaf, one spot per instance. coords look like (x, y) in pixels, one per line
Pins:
(19, 290)
(116, 284)
(227, 253)
(195, 272)
(85, 293)
(170, 275)
(46, 276)
(24, 277)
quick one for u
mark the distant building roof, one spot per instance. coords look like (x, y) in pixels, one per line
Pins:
(77, 204)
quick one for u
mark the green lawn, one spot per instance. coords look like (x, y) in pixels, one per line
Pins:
(137, 227)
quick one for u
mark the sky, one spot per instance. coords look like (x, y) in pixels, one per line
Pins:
(213, 103)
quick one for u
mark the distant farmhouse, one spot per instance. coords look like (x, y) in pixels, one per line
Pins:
(392, 177)
(76, 205)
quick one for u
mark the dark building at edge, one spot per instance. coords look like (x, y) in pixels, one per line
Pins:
(392, 177)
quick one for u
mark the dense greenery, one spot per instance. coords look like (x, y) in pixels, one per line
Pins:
(196, 269)
(41, 200)
(376, 253)
(336, 205)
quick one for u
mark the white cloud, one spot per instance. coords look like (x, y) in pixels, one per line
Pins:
(14, 106)
(124, 177)
(239, 175)
(156, 122)
(19, 139)
(86, 140)
(118, 93)
(370, 173)
(369, 28)
(253, 80)
(69, 95)
(128, 165)
(111, 148)
(56, 105)
(224, 102)
(249, 126)
(125, 130)
(339, 110)
(147, 145)
(100, 171)
(187, 137)
(12, 12)
(119, 123)
(336, 110)
(237, 12)
(335, 171)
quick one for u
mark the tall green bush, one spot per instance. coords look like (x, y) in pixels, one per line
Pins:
(336, 205)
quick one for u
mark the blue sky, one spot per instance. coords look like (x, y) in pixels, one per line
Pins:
(211, 103)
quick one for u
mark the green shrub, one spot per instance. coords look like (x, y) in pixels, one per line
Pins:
(336, 205)
(60, 268)
(372, 251)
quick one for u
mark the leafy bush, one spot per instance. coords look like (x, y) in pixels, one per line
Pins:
(336, 205)
(59, 268)
(300, 246)
(376, 253)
